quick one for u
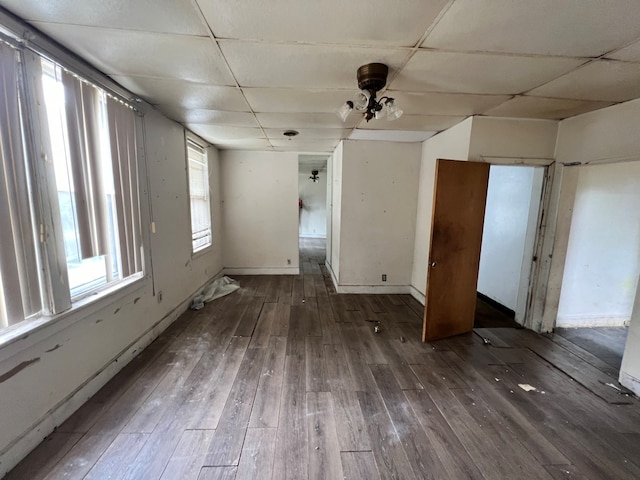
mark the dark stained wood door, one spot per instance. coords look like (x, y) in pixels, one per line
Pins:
(460, 196)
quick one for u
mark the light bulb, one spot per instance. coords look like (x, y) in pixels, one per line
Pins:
(345, 110)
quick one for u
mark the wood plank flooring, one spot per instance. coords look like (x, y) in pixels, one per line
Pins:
(285, 379)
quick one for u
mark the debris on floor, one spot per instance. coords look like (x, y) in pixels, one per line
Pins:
(216, 289)
(527, 388)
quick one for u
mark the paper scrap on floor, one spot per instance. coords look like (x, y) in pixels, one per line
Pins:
(216, 289)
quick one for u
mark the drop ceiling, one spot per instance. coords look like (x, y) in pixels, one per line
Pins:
(240, 73)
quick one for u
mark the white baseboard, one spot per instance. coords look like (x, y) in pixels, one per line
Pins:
(305, 235)
(630, 382)
(418, 295)
(586, 321)
(29, 440)
(262, 271)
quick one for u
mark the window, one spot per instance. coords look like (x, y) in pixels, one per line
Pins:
(70, 179)
(199, 195)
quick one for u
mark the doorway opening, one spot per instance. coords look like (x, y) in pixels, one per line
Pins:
(602, 265)
(512, 212)
(312, 197)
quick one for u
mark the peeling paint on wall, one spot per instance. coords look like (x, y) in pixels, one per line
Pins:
(17, 369)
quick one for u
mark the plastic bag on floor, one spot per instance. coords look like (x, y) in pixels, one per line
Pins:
(216, 289)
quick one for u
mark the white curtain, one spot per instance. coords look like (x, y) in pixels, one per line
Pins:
(19, 283)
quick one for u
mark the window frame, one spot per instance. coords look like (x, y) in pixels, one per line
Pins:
(59, 308)
(199, 142)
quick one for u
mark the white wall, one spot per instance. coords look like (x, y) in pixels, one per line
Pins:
(513, 200)
(70, 358)
(452, 144)
(329, 208)
(333, 260)
(260, 211)
(603, 255)
(605, 135)
(379, 184)
(313, 215)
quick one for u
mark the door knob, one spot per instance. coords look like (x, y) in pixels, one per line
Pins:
(433, 264)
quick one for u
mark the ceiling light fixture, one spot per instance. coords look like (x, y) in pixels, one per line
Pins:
(314, 176)
(290, 133)
(372, 78)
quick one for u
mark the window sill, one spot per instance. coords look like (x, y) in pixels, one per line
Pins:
(203, 251)
(23, 335)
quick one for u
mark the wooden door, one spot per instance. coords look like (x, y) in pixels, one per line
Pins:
(459, 201)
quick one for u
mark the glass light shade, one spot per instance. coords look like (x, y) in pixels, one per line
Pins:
(344, 111)
(362, 100)
(393, 111)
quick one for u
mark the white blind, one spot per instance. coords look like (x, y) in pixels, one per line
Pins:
(199, 195)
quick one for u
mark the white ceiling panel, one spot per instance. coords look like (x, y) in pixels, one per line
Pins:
(215, 133)
(127, 52)
(428, 123)
(605, 80)
(306, 163)
(478, 73)
(630, 53)
(217, 117)
(294, 145)
(424, 103)
(352, 22)
(309, 133)
(168, 16)
(390, 135)
(305, 120)
(289, 100)
(549, 108)
(175, 93)
(303, 66)
(580, 28)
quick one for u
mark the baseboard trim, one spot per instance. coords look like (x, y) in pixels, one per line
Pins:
(630, 382)
(331, 272)
(586, 321)
(497, 305)
(312, 236)
(262, 271)
(30, 439)
(418, 295)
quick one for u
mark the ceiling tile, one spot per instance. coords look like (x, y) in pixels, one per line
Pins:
(414, 123)
(218, 117)
(548, 108)
(175, 93)
(606, 80)
(215, 133)
(479, 73)
(244, 144)
(305, 120)
(303, 66)
(423, 103)
(390, 135)
(353, 22)
(630, 53)
(168, 16)
(310, 133)
(305, 146)
(127, 52)
(289, 100)
(580, 28)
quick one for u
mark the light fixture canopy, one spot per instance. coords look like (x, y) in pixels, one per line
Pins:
(372, 78)
(314, 176)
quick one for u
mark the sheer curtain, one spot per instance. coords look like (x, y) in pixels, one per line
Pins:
(19, 283)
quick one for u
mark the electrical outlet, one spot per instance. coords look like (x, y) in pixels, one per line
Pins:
(384, 277)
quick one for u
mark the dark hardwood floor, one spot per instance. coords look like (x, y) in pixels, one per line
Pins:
(285, 379)
(606, 343)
